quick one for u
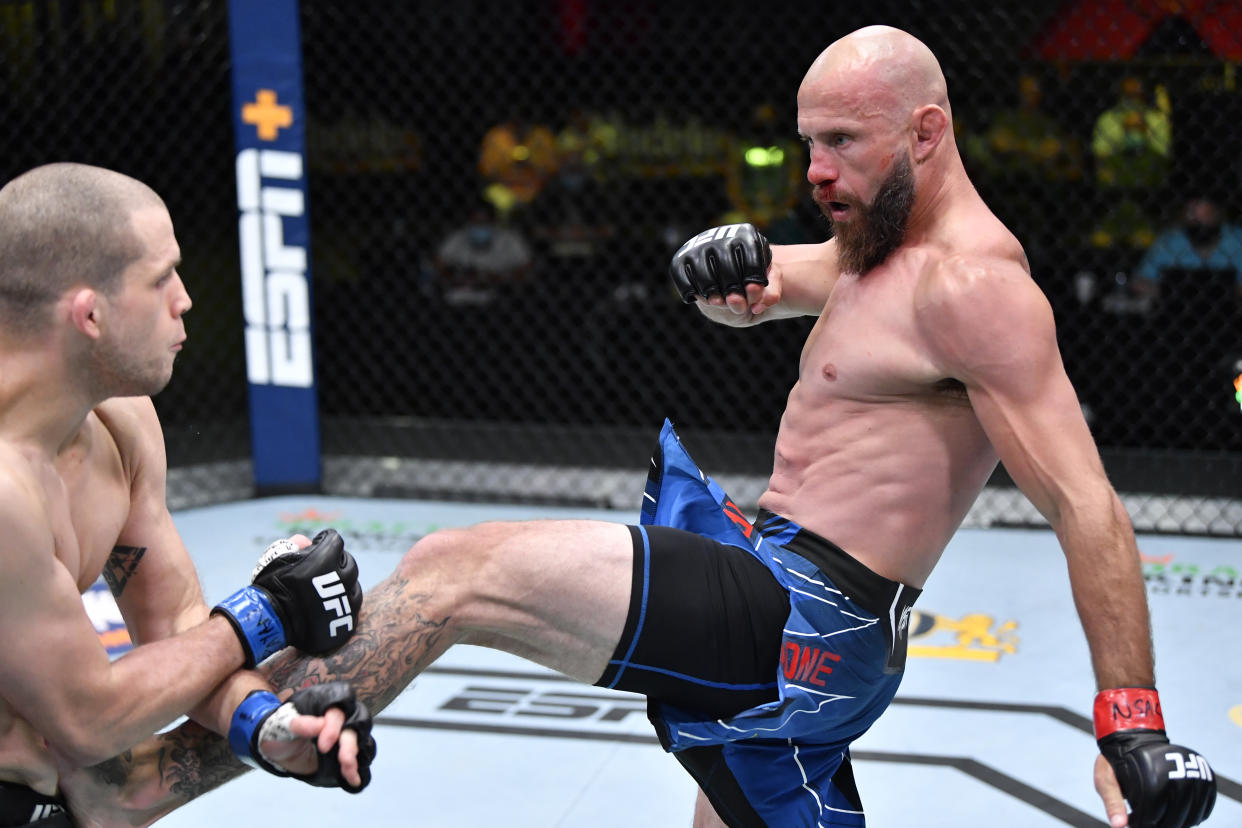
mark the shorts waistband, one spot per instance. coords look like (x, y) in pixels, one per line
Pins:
(869, 590)
(24, 806)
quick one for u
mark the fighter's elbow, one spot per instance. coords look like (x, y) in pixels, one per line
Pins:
(88, 725)
(79, 744)
(1095, 512)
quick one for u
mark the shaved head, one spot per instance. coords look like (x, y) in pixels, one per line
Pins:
(879, 71)
(874, 111)
(63, 225)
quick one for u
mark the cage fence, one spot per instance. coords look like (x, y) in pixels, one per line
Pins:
(496, 188)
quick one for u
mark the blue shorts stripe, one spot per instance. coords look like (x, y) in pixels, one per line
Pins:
(642, 610)
(723, 685)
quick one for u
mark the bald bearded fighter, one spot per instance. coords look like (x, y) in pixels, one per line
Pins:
(766, 648)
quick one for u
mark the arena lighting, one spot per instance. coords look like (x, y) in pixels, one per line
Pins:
(765, 156)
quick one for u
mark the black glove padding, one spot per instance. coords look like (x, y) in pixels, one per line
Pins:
(1167, 786)
(315, 701)
(315, 592)
(721, 261)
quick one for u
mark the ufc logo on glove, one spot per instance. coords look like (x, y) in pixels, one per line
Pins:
(1190, 766)
(301, 597)
(329, 586)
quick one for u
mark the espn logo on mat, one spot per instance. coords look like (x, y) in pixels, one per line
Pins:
(275, 293)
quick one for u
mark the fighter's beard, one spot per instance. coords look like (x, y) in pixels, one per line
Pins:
(878, 228)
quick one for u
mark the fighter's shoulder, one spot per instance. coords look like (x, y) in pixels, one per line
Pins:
(134, 427)
(19, 481)
(23, 499)
(970, 302)
(989, 275)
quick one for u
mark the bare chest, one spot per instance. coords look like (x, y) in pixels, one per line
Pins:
(89, 503)
(866, 346)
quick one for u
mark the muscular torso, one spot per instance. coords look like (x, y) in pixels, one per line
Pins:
(86, 494)
(879, 450)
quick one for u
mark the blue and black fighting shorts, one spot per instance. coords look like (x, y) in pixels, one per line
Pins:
(764, 650)
(19, 805)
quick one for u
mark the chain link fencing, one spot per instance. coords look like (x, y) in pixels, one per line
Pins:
(143, 88)
(496, 189)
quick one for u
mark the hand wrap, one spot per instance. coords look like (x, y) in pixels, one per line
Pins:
(721, 261)
(1166, 786)
(305, 598)
(261, 717)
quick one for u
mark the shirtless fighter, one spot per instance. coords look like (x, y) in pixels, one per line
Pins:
(90, 323)
(766, 649)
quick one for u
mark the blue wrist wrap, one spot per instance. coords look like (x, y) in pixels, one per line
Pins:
(255, 619)
(253, 710)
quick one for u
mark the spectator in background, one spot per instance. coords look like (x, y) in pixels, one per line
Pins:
(592, 137)
(572, 218)
(1202, 240)
(1026, 141)
(764, 176)
(475, 261)
(516, 159)
(1190, 276)
(1132, 144)
(1027, 163)
(1132, 140)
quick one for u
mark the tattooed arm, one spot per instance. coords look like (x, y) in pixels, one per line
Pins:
(156, 587)
(151, 780)
(54, 674)
(396, 639)
(150, 571)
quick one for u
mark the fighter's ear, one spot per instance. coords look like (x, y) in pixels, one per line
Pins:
(84, 311)
(930, 125)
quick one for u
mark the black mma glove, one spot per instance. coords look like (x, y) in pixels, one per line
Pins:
(1166, 786)
(721, 261)
(305, 598)
(261, 717)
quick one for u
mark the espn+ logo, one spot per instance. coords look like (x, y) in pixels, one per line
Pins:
(275, 293)
(330, 588)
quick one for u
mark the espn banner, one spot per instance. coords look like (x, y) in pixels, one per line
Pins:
(274, 234)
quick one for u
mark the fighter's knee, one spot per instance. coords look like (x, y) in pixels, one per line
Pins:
(429, 551)
(450, 555)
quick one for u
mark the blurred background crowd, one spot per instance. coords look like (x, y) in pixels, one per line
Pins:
(496, 188)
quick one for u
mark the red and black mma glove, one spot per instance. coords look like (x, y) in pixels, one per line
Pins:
(261, 717)
(1166, 786)
(304, 598)
(720, 261)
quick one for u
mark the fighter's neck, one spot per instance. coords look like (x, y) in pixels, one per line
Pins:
(940, 195)
(40, 404)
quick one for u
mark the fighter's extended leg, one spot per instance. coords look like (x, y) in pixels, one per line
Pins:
(704, 815)
(556, 592)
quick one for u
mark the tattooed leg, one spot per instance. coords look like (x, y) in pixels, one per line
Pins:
(556, 592)
(394, 641)
(398, 636)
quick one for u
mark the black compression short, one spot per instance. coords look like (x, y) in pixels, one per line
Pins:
(21, 806)
(704, 627)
